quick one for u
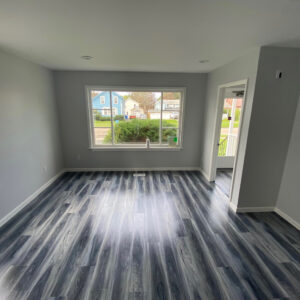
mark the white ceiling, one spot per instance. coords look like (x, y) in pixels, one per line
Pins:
(144, 35)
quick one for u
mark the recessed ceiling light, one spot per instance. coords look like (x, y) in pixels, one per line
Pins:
(87, 57)
(203, 61)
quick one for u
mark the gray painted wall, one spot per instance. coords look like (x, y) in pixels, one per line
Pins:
(273, 111)
(71, 98)
(244, 67)
(288, 198)
(29, 131)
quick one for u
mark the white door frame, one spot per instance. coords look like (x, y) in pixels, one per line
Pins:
(217, 129)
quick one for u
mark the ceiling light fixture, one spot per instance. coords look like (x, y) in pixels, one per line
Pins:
(203, 61)
(87, 57)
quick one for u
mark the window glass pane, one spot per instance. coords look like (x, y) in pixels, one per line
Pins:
(170, 136)
(137, 118)
(130, 117)
(170, 119)
(102, 126)
(102, 136)
(101, 117)
(171, 100)
(171, 109)
(100, 99)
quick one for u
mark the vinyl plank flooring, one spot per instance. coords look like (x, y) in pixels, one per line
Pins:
(223, 180)
(165, 235)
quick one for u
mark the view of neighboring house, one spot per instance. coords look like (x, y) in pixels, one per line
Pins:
(168, 104)
(101, 102)
(132, 108)
(170, 109)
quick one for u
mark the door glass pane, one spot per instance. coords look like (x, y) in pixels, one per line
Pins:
(137, 117)
(230, 126)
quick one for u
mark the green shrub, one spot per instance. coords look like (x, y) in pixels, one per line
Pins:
(104, 118)
(99, 117)
(170, 132)
(137, 131)
(119, 117)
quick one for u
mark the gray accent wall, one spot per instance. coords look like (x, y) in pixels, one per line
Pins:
(71, 99)
(273, 111)
(30, 150)
(288, 198)
(244, 67)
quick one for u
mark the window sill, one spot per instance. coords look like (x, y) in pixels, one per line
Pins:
(135, 149)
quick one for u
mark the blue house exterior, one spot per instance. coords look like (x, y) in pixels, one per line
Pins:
(101, 101)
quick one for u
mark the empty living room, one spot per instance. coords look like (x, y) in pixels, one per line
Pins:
(149, 149)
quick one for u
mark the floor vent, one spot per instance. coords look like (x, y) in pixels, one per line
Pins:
(139, 175)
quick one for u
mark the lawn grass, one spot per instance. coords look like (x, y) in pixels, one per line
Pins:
(225, 123)
(170, 123)
(102, 123)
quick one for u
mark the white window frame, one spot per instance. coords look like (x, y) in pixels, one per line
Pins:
(101, 98)
(139, 146)
(114, 100)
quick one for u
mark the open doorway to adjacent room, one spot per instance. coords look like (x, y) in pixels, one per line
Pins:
(228, 126)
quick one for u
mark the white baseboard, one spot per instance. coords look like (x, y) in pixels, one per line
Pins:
(254, 209)
(133, 169)
(287, 218)
(204, 174)
(29, 199)
(266, 209)
(233, 206)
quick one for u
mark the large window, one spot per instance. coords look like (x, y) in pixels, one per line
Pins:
(131, 116)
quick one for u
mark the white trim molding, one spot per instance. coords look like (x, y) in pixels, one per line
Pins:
(10, 215)
(133, 147)
(218, 121)
(287, 218)
(265, 209)
(233, 206)
(204, 174)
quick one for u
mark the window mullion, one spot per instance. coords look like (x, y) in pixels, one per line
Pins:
(161, 112)
(112, 119)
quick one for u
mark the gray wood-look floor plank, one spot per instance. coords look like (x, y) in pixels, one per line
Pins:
(167, 235)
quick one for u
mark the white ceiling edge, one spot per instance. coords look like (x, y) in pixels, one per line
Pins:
(29, 59)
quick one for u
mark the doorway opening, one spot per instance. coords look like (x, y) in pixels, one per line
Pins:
(231, 101)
